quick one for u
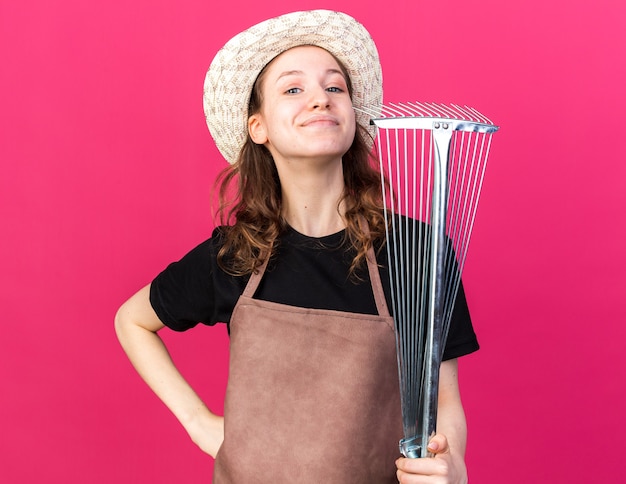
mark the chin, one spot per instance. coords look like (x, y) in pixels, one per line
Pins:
(330, 149)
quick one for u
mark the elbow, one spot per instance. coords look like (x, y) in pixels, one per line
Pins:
(125, 320)
(134, 315)
(119, 323)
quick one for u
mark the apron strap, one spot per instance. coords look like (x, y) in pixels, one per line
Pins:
(377, 287)
(256, 276)
(372, 267)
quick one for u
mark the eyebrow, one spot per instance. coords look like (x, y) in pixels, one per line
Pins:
(298, 72)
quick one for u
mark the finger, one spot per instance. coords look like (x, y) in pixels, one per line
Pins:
(421, 466)
(438, 444)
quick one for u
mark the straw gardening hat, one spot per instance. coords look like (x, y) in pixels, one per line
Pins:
(234, 69)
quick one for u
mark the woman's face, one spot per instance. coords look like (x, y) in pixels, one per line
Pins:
(306, 110)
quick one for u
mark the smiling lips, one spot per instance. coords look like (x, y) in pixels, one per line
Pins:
(321, 120)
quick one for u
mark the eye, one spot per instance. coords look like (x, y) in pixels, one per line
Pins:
(334, 89)
(293, 90)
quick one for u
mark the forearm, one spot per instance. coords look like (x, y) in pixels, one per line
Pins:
(450, 414)
(136, 327)
(451, 421)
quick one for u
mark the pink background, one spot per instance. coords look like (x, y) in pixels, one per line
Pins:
(107, 168)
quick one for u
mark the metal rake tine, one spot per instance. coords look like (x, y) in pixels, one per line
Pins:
(415, 108)
(442, 110)
(424, 108)
(455, 113)
(404, 108)
(394, 109)
(479, 115)
(439, 109)
(473, 114)
(464, 114)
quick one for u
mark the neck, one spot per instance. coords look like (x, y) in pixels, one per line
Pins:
(312, 201)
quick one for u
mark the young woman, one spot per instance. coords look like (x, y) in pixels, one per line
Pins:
(297, 272)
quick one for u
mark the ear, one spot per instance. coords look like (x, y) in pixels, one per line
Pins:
(256, 129)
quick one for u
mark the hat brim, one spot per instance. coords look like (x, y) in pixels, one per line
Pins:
(235, 68)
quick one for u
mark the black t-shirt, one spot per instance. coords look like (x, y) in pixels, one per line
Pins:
(305, 272)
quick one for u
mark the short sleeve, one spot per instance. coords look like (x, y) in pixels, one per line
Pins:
(195, 290)
(461, 336)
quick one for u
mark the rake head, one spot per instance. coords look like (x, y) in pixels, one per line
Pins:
(432, 163)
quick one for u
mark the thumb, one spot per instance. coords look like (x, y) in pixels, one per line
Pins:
(438, 444)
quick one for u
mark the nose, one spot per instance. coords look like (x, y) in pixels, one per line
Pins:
(320, 98)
